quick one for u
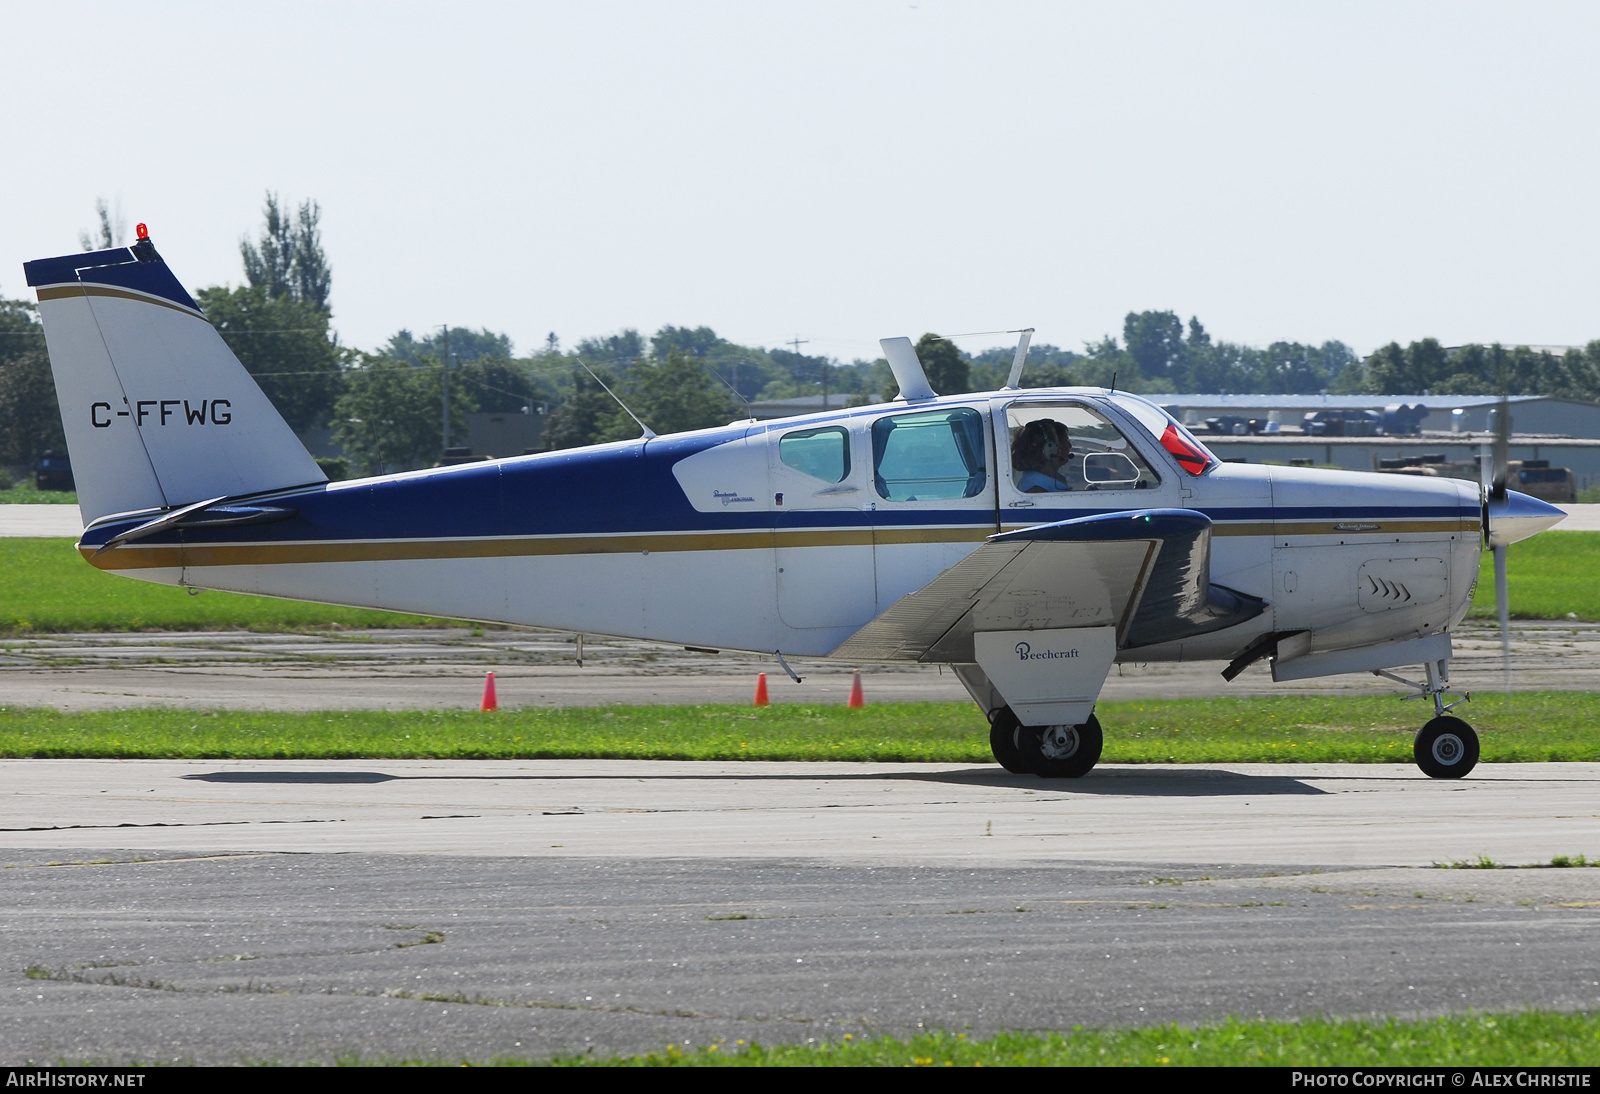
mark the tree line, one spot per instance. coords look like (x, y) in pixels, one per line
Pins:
(385, 407)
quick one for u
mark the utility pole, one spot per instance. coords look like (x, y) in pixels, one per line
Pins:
(445, 364)
(797, 342)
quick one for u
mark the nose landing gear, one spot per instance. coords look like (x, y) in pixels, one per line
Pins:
(1447, 747)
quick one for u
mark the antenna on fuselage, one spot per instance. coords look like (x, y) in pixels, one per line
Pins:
(749, 412)
(1015, 379)
(649, 434)
(907, 369)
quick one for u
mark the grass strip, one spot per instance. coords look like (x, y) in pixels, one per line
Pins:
(24, 493)
(1526, 1039)
(1551, 576)
(1530, 1039)
(49, 588)
(1527, 727)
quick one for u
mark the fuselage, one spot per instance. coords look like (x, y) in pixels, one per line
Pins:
(791, 535)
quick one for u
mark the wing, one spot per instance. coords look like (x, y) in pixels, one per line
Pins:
(1145, 572)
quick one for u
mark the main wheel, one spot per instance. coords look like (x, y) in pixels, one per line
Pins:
(1005, 741)
(1063, 752)
(1446, 748)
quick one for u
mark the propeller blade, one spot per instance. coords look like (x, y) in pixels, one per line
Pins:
(1502, 601)
(1502, 450)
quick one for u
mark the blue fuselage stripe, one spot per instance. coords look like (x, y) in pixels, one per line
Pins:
(630, 490)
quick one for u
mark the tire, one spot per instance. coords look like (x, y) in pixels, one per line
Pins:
(1005, 734)
(1063, 752)
(1446, 748)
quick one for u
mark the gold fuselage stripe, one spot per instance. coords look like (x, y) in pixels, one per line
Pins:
(136, 556)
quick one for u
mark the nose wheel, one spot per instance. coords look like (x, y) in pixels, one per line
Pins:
(1446, 748)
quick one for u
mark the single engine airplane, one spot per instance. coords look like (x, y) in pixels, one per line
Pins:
(1029, 538)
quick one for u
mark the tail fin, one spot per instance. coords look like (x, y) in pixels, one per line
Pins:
(158, 412)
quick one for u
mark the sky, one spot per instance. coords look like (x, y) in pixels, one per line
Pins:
(841, 172)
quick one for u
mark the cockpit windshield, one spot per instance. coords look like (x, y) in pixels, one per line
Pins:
(1191, 455)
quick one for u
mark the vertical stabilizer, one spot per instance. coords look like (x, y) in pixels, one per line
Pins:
(157, 410)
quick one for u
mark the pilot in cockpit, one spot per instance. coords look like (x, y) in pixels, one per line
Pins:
(1039, 455)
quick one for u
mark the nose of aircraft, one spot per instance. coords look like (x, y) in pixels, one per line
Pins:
(1518, 517)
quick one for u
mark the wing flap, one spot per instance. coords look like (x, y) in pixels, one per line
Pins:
(1088, 572)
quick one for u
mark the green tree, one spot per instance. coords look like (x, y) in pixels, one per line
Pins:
(944, 365)
(500, 385)
(30, 419)
(1155, 342)
(1415, 370)
(618, 350)
(583, 417)
(465, 345)
(285, 343)
(1106, 364)
(289, 260)
(112, 231)
(1047, 366)
(390, 415)
(671, 396)
(691, 342)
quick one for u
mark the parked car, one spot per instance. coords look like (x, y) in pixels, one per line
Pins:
(1342, 423)
(1536, 478)
(1235, 426)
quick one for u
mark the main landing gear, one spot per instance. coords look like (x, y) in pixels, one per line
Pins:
(1445, 748)
(1053, 752)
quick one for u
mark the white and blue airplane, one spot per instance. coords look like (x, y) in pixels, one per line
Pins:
(1029, 538)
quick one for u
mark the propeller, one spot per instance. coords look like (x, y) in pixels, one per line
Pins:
(1495, 497)
(1508, 516)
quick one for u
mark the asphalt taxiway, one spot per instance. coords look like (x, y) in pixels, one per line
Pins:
(217, 912)
(299, 911)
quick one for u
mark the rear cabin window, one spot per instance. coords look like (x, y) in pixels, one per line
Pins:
(933, 456)
(1062, 447)
(821, 453)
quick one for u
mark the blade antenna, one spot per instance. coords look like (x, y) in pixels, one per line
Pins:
(1015, 379)
(649, 434)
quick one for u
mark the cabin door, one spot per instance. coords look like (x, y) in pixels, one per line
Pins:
(931, 492)
(820, 480)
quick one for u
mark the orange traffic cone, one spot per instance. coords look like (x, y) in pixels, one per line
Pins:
(856, 698)
(761, 690)
(489, 701)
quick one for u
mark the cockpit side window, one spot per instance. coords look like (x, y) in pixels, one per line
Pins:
(932, 456)
(821, 453)
(1191, 455)
(1060, 447)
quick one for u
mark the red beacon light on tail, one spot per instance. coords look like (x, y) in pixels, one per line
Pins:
(142, 232)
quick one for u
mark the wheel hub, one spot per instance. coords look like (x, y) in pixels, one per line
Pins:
(1058, 742)
(1448, 749)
